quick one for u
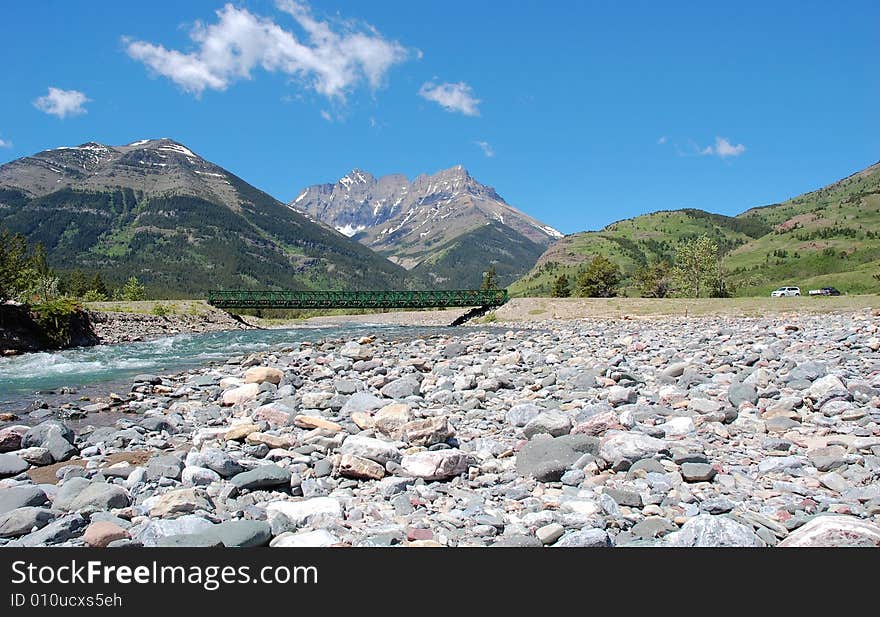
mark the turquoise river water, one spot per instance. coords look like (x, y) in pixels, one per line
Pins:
(97, 370)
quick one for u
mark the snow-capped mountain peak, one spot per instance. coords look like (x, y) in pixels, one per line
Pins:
(403, 219)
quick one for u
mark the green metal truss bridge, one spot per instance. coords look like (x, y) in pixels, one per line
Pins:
(237, 299)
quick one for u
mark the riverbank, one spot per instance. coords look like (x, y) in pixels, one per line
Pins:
(129, 321)
(519, 310)
(114, 327)
(669, 431)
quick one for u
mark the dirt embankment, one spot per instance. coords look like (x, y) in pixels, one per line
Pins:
(20, 332)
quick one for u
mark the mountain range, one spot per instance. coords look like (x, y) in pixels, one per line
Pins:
(155, 209)
(826, 237)
(445, 228)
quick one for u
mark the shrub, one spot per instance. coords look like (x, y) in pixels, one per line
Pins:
(54, 319)
(161, 310)
(94, 296)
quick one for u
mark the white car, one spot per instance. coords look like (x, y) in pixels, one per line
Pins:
(786, 291)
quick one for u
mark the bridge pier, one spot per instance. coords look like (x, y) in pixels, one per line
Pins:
(475, 312)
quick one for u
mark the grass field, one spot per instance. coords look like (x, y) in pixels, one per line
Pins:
(526, 309)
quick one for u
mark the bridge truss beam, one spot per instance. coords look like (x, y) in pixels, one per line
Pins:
(238, 299)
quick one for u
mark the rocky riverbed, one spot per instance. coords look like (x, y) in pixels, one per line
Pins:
(710, 431)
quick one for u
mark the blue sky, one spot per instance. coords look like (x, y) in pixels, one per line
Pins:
(579, 113)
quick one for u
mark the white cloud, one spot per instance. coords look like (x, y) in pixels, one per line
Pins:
(331, 59)
(486, 147)
(451, 97)
(62, 103)
(662, 140)
(723, 148)
(5, 143)
(326, 115)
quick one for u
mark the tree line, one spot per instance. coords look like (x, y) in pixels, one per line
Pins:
(27, 278)
(695, 271)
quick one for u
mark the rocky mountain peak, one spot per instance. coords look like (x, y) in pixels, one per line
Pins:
(414, 222)
(356, 178)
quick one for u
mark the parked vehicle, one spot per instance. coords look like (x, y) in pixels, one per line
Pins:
(786, 291)
(825, 291)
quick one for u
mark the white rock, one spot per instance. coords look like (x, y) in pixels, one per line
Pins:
(617, 446)
(371, 448)
(318, 538)
(301, 512)
(241, 394)
(677, 427)
(831, 530)
(198, 476)
(436, 465)
(824, 386)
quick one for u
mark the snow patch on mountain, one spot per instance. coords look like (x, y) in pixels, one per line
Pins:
(350, 230)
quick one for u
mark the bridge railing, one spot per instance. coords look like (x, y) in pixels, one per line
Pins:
(357, 299)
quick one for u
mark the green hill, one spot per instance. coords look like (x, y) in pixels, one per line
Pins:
(182, 225)
(635, 242)
(827, 237)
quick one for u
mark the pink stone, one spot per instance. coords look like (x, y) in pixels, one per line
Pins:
(599, 424)
(413, 533)
(102, 533)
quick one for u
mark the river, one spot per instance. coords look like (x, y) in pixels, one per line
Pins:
(71, 374)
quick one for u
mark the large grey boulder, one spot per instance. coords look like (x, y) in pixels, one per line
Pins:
(554, 422)
(55, 436)
(216, 460)
(238, 534)
(12, 465)
(167, 466)
(22, 521)
(20, 496)
(36, 436)
(59, 530)
(99, 496)
(264, 476)
(585, 538)
(547, 458)
(401, 388)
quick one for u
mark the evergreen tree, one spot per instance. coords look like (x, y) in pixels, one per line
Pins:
(561, 287)
(599, 280)
(133, 290)
(39, 261)
(16, 268)
(97, 285)
(490, 279)
(76, 284)
(654, 280)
